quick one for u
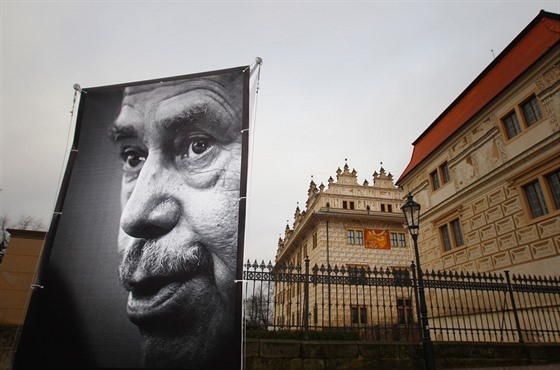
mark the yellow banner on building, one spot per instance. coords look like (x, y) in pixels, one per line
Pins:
(377, 239)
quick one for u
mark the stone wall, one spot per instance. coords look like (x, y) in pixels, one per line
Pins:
(267, 354)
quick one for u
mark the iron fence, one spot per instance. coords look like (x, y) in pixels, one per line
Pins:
(382, 303)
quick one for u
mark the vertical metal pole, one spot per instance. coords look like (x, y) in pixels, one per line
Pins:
(306, 301)
(328, 275)
(415, 282)
(427, 345)
(516, 317)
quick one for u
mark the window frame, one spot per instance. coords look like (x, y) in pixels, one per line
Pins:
(542, 175)
(359, 237)
(405, 314)
(350, 237)
(402, 240)
(537, 113)
(451, 233)
(358, 315)
(522, 122)
(397, 239)
(508, 125)
(393, 239)
(440, 176)
(348, 204)
(434, 180)
(355, 235)
(445, 175)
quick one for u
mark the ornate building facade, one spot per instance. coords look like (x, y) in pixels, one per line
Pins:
(487, 171)
(346, 226)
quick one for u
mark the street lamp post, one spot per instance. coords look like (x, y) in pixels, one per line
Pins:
(411, 211)
(328, 267)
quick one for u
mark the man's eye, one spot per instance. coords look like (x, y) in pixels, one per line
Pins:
(133, 159)
(196, 146)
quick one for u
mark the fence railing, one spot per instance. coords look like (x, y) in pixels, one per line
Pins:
(382, 303)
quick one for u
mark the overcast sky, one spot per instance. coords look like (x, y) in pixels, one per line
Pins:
(356, 80)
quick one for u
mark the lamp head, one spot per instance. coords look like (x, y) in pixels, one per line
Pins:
(411, 211)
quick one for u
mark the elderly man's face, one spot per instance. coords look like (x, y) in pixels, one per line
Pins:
(181, 149)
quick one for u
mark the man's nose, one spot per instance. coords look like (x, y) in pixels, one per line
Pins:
(151, 210)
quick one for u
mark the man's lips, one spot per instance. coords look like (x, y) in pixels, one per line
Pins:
(155, 298)
(160, 284)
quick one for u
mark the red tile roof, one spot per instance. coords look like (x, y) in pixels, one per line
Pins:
(542, 34)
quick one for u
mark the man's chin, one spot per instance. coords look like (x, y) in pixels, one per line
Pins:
(169, 351)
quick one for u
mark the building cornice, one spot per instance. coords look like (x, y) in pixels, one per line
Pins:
(29, 234)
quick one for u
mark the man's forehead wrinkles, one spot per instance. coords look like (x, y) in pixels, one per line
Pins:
(189, 113)
(208, 110)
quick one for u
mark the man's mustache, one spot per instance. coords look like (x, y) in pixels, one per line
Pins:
(146, 259)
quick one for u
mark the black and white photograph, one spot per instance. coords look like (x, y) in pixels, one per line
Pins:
(147, 239)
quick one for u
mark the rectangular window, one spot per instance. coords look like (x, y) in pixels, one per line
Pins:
(355, 237)
(440, 176)
(404, 311)
(451, 235)
(398, 239)
(389, 208)
(394, 240)
(354, 315)
(351, 205)
(314, 240)
(358, 315)
(444, 230)
(363, 315)
(541, 191)
(435, 180)
(383, 208)
(351, 237)
(535, 198)
(402, 240)
(457, 233)
(444, 169)
(531, 110)
(315, 314)
(554, 184)
(359, 237)
(344, 204)
(511, 125)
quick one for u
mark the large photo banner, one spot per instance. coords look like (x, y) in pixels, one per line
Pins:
(140, 265)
